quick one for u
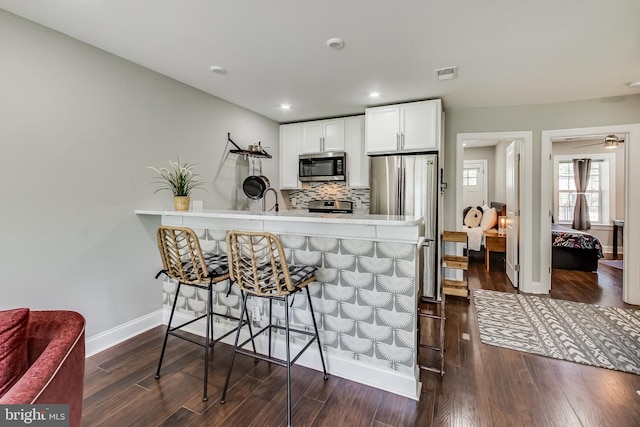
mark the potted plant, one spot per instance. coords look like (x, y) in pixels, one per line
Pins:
(180, 180)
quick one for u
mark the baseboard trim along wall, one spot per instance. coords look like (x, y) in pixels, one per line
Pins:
(111, 337)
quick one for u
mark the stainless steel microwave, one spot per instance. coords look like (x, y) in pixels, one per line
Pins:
(322, 166)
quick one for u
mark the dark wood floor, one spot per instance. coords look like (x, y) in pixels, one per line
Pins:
(483, 385)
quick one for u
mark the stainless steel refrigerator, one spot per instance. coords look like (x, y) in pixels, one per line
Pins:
(408, 185)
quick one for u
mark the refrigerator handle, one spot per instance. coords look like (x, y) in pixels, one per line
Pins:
(403, 190)
(399, 191)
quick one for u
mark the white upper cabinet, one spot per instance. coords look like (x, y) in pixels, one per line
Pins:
(410, 127)
(382, 132)
(289, 140)
(322, 136)
(357, 159)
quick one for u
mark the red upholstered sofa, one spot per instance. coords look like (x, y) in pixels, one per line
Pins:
(55, 362)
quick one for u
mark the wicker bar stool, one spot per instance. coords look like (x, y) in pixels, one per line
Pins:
(257, 265)
(184, 261)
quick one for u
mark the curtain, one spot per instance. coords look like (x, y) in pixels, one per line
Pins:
(581, 170)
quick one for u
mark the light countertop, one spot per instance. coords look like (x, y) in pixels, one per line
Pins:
(294, 216)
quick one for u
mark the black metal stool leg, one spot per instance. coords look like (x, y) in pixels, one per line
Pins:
(243, 308)
(207, 341)
(315, 327)
(166, 335)
(253, 344)
(286, 326)
(270, 309)
(212, 342)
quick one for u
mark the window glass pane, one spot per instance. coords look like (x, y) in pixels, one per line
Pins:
(473, 181)
(566, 214)
(564, 199)
(597, 196)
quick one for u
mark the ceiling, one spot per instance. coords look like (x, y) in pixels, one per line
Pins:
(507, 52)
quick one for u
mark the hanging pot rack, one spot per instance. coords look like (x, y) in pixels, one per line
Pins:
(253, 151)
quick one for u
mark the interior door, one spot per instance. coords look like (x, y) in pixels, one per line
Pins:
(474, 183)
(512, 179)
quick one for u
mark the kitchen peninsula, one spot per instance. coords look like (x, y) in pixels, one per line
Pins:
(365, 298)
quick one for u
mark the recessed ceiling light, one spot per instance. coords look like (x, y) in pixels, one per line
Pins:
(635, 84)
(285, 106)
(218, 69)
(374, 94)
(335, 43)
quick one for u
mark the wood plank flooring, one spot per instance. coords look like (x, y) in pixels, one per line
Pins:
(482, 386)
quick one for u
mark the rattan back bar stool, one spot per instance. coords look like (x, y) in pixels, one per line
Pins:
(184, 262)
(257, 265)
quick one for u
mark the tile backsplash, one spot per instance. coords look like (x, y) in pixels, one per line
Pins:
(298, 199)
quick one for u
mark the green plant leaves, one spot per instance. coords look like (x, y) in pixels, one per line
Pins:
(179, 179)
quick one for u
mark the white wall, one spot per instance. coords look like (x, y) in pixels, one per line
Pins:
(78, 128)
(500, 171)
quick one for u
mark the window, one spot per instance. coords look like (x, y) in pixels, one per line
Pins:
(599, 193)
(470, 177)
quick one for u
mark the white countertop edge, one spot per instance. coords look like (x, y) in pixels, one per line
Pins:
(296, 216)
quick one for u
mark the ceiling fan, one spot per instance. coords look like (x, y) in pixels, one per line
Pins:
(609, 141)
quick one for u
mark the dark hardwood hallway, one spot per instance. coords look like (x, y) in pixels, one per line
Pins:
(483, 385)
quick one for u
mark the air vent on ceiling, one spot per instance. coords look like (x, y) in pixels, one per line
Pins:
(446, 73)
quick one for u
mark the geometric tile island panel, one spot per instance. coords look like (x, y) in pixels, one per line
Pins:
(365, 297)
(606, 337)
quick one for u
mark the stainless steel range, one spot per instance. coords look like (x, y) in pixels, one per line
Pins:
(331, 206)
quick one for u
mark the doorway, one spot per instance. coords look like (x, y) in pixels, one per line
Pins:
(631, 272)
(525, 242)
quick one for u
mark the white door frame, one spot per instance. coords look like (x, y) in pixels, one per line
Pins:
(485, 190)
(526, 198)
(631, 231)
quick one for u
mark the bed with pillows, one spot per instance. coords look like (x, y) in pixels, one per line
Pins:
(480, 220)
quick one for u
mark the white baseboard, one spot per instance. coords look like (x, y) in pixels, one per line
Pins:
(350, 369)
(111, 337)
(608, 250)
(535, 288)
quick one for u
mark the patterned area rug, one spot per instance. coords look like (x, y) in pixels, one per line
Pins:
(613, 263)
(607, 337)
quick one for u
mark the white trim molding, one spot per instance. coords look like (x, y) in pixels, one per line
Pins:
(113, 336)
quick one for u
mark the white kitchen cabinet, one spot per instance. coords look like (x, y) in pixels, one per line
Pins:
(410, 127)
(322, 136)
(289, 142)
(357, 159)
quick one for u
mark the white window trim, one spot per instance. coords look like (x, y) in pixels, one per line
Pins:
(611, 158)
